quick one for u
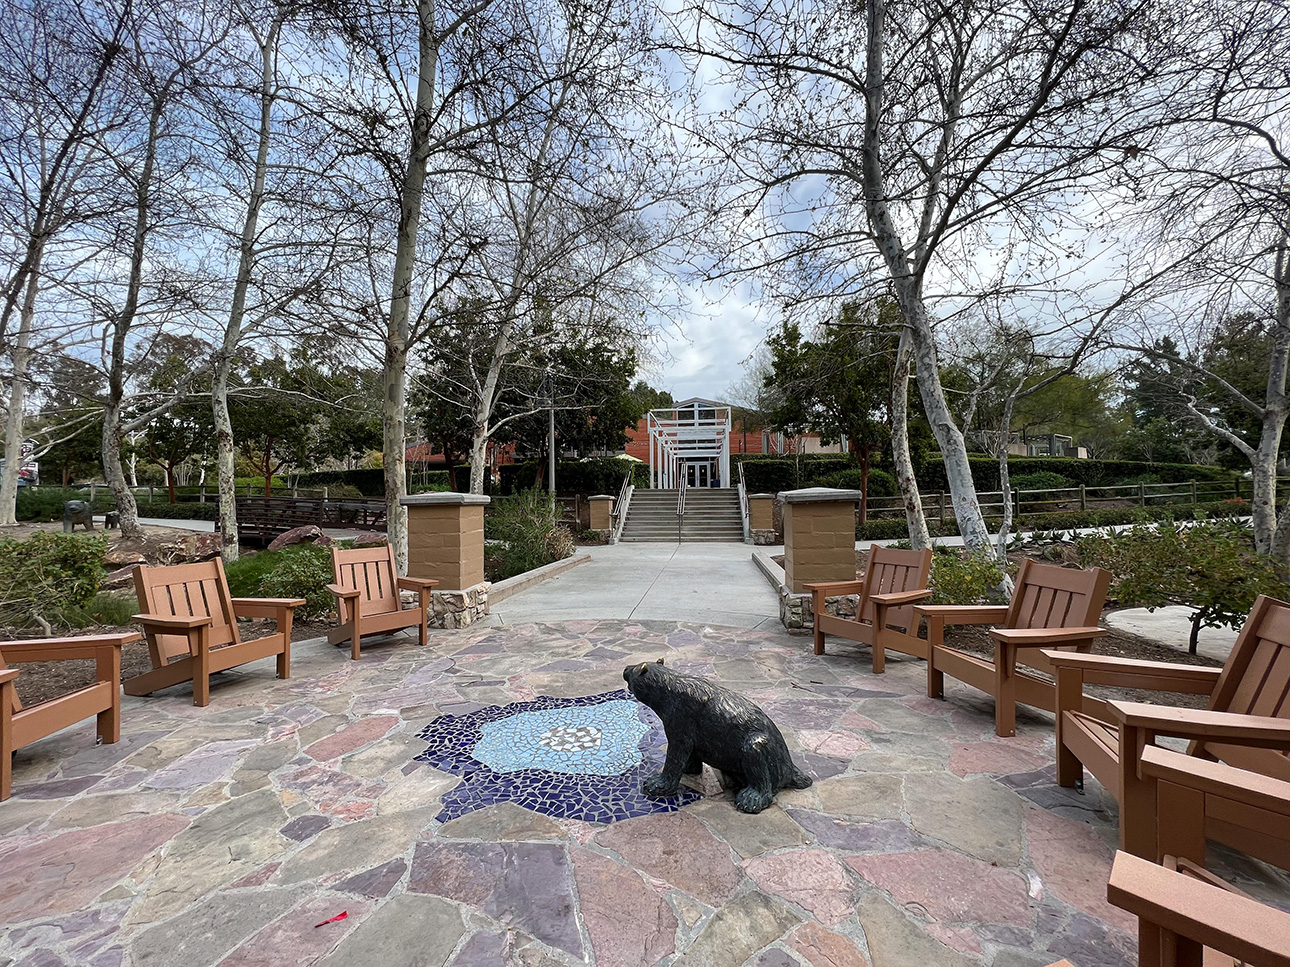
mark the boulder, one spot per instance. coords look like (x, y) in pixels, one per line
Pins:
(308, 534)
(120, 578)
(370, 539)
(194, 547)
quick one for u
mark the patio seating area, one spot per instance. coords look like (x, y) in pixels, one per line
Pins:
(465, 803)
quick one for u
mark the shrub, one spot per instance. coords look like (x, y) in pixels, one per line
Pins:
(964, 579)
(302, 571)
(1039, 480)
(103, 609)
(1211, 567)
(185, 511)
(369, 483)
(881, 483)
(1091, 473)
(527, 532)
(47, 574)
(597, 475)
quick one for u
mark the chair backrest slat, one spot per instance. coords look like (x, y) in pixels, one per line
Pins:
(187, 591)
(370, 570)
(1256, 681)
(891, 570)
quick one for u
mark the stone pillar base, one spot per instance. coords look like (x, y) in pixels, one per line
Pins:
(797, 613)
(459, 609)
(763, 537)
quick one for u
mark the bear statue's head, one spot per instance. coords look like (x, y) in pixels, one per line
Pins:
(643, 679)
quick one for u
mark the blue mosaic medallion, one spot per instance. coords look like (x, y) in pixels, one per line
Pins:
(575, 758)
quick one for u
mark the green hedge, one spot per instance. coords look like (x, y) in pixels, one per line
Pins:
(370, 483)
(1091, 473)
(185, 511)
(598, 475)
(896, 529)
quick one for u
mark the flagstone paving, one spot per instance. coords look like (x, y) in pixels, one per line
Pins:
(222, 836)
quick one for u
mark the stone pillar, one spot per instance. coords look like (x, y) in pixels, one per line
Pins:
(819, 545)
(602, 506)
(819, 536)
(761, 522)
(446, 543)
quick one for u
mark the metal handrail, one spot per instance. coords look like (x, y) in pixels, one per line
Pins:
(618, 516)
(680, 506)
(745, 505)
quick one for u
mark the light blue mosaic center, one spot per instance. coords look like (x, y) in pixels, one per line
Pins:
(592, 740)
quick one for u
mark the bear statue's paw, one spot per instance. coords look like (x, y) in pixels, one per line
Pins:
(752, 800)
(657, 787)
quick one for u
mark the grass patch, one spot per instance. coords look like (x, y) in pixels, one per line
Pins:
(105, 608)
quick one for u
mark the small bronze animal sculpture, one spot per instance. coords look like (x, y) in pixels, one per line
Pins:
(77, 512)
(707, 723)
(111, 520)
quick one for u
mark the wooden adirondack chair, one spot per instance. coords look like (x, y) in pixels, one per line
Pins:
(1051, 607)
(367, 596)
(22, 726)
(1246, 725)
(1188, 916)
(190, 619)
(894, 581)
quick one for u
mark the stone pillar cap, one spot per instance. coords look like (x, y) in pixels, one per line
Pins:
(817, 495)
(602, 497)
(761, 496)
(444, 499)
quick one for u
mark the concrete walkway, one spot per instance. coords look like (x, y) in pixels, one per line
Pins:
(708, 583)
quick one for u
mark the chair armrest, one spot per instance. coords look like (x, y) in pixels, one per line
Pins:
(1038, 637)
(1204, 725)
(169, 622)
(1133, 673)
(63, 649)
(1217, 778)
(836, 587)
(963, 614)
(7, 675)
(416, 584)
(894, 599)
(340, 592)
(1225, 921)
(264, 607)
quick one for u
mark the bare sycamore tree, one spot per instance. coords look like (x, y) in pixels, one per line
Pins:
(275, 184)
(902, 460)
(55, 110)
(582, 193)
(141, 280)
(1222, 198)
(943, 152)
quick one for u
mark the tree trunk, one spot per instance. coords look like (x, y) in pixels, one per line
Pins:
(394, 379)
(225, 458)
(114, 471)
(908, 292)
(268, 468)
(170, 482)
(902, 461)
(1005, 485)
(13, 436)
(864, 486)
(394, 454)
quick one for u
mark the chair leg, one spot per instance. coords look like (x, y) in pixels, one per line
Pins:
(354, 652)
(1137, 798)
(879, 653)
(108, 662)
(202, 670)
(935, 677)
(1070, 695)
(284, 657)
(6, 739)
(817, 606)
(1005, 690)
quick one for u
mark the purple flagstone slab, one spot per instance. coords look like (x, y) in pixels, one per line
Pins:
(885, 836)
(484, 949)
(305, 827)
(55, 788)
(378, 882)
(525, 885)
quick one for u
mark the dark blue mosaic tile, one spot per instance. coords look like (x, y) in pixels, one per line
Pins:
(569, 758)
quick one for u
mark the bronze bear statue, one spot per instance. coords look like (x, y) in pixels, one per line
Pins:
(707, 723)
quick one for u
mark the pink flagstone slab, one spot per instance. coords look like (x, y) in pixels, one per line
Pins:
(993, 758)
(352, 737)
(296, 938)
(63, 874)
(1074, 864)
(629, 923)
(813, 879)
(824, 948)
(678, 849)
(948, 885)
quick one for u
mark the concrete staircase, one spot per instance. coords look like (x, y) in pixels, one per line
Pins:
(710, 515)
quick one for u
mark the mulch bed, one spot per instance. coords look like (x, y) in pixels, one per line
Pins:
(41, 681)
